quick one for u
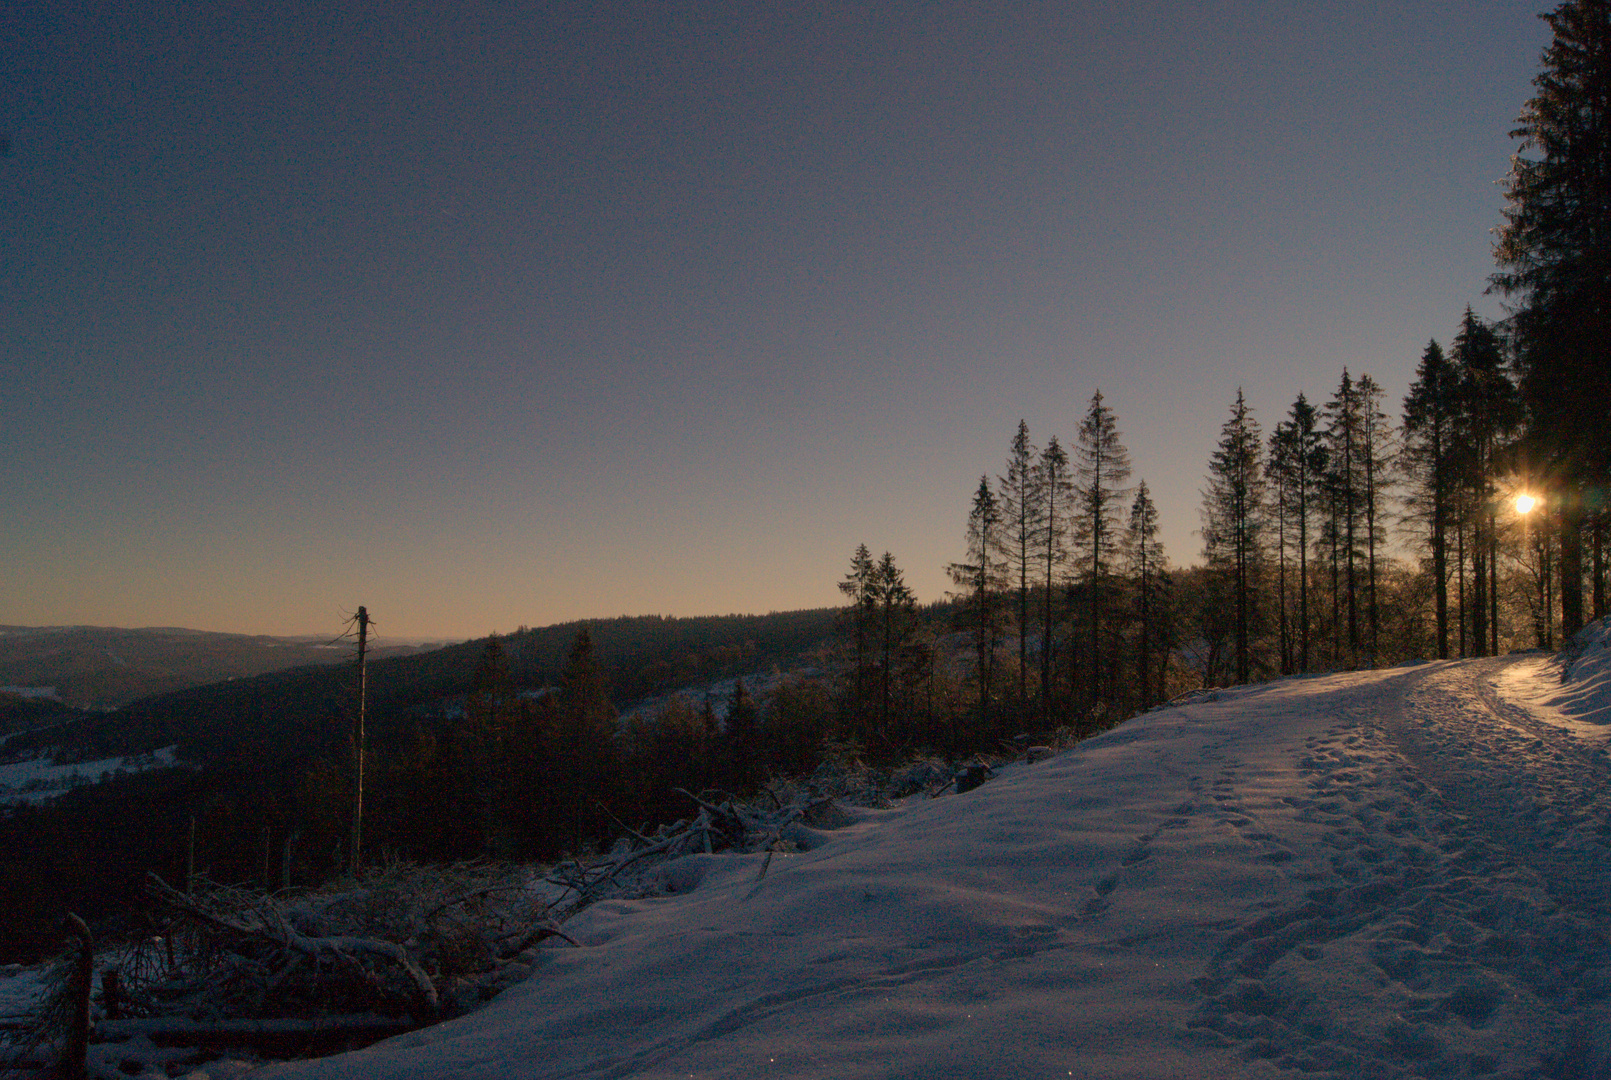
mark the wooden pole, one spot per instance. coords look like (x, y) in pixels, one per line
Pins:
(358, 741)
(72, 1065)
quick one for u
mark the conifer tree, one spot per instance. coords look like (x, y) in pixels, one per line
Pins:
(1431, 412)
(584, 738)
(743, 731)
(1554, 255)
(980, 579)
(1280, 470)
(1344, 424)
(860, 589)
(1052, 482)
(1304, 461)
(895, 605)
(1489, 414)
(1233, 522)
(489, 714)
(1376, 452)
(1102, 465)
(1147, 566)
(1021, 522)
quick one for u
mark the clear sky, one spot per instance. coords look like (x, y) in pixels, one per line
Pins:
(488, 314)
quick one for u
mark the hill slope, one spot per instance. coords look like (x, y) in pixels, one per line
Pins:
(103, 667)
(1395, 873)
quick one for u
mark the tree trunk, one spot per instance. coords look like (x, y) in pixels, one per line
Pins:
(1479, 592)
(1440, 576)
(1599, 565)
(1571, 568)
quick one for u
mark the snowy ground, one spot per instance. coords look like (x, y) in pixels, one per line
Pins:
(1396, 873)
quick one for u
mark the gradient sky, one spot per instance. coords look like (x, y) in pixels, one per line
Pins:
(489, 314)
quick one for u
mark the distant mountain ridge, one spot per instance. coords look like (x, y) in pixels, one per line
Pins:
(289, 706)
(101, 667)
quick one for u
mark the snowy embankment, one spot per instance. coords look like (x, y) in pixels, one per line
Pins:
(1404, 872)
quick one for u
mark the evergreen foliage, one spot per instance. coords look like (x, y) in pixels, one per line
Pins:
(1148, 568)
(980, 580)
(1102, 465)
(1055, 489)
(1430, 462)
(1022, 521)
(1554, 258)
(1234, 525)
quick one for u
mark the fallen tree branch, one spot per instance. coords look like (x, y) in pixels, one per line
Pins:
(274, 928)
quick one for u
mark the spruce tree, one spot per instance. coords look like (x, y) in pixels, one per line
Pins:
(1055, 489)
(894, 605)
(1233, 522)
(860, 589)
(1102, 465)
(979, 579)
(1280, 470)
(1344, 423)
(1307, 461)
(743, 731)
(1021, 523)
(1489, 414)
(1554, 257)
(584, 739)
(489, 714)
(1376, 450)
(1431, 412)
(1148, 567)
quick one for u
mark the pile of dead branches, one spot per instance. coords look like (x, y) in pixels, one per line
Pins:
(787, 815)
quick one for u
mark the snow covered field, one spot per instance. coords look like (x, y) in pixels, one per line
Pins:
(1394, 873)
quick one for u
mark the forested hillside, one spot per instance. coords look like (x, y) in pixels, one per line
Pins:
(104, 667)
(267, 774)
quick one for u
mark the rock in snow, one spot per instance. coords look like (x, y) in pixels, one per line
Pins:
(1378, 874)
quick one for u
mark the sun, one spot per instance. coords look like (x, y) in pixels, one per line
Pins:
(1525, 504)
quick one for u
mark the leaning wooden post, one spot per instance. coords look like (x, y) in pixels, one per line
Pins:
(358, 741)
(75, 1047)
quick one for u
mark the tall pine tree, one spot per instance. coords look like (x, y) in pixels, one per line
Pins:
(1554, 257)
(1102, 465)
(1431, 413)
(1052, 481)
(1233, 522)
(979, 580)
(1148, 568)
(1021, 523)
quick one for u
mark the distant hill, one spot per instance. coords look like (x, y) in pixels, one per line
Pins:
(295, 711)
(258, 753)
(101, 667)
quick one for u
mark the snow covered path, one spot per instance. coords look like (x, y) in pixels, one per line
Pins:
(1394, 873)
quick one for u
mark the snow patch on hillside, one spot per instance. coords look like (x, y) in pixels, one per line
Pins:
(40, 778)
(32, 693)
